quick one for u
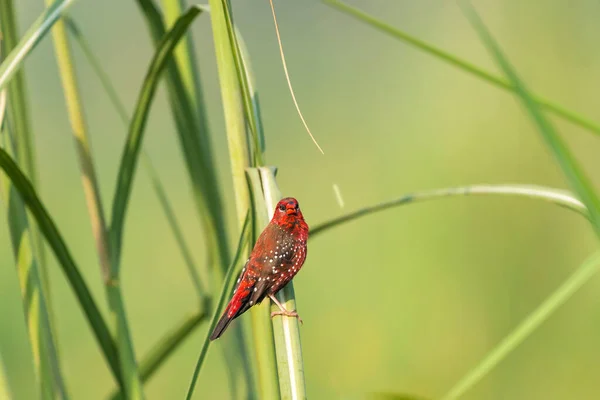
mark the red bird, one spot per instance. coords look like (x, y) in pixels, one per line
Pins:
(276, 258)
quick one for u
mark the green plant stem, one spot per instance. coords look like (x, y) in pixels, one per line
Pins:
(555, 196)
(262, 328)
(108, 262)
(30, 39)
(286, 330)
(157, 185)
(480, 73)
(583, 274)
(235, 123)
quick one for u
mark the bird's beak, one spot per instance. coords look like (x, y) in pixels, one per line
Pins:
(290, 211)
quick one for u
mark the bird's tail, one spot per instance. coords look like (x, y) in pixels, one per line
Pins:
(221, 326)
(236, 307)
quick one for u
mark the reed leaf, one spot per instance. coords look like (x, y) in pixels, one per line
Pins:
(562, 154)
(33, 35)
(157, 185)
(49, 379)
(560, 198)
(195, 144)
(65, 260)
(548, 105)
(581, 275)
(24, 148)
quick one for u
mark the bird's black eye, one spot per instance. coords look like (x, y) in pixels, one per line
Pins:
(282, 207)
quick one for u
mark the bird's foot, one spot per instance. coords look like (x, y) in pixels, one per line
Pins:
(287, 313)
(283, 311)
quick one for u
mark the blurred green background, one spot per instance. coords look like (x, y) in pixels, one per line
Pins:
(407, 300)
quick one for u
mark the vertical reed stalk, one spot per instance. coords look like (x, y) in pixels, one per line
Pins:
(108, 261)
(286, 330)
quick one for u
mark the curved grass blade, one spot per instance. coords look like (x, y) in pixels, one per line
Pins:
(138, 123)
(562, 154)
(30, 39)
(554, 196)
(66, 261)
(48, 374)
(568, 115)
(225, 292)
(24, 149)
(583, 274)
(286, 330)
(194, 139)
(157, 185)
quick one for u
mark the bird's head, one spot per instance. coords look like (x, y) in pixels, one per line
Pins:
(287, 212)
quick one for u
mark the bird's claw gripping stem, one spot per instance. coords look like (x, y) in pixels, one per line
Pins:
(287, 314)
(283, 311)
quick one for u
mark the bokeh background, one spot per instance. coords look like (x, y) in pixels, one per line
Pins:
(407, 300)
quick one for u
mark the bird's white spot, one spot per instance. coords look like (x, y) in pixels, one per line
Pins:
(251, 302)
(255, 289)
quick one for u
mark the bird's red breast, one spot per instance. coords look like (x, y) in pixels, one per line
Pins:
(276, 258)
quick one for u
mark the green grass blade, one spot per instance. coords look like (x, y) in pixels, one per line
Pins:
(262, 328)
(480, 73)
(554, 196)
(47, 369)
(30, 39)
(228, 284)
(197, 150)
(567, 162)
(138, 123)
(185, 58)
(66, 261)
(25, 150)
(286, 330)
(157, 185)
(581, 275)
